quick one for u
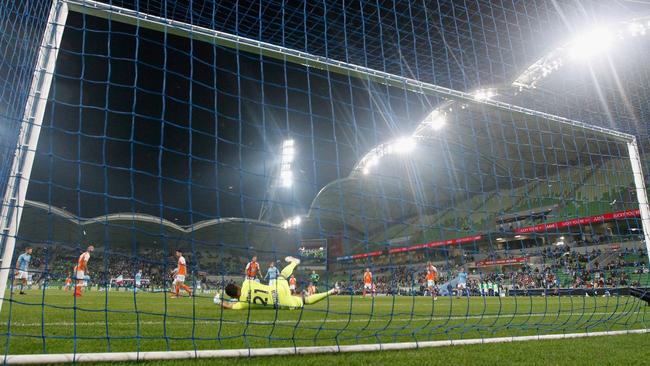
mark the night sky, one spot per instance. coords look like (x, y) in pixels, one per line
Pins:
(140, 121)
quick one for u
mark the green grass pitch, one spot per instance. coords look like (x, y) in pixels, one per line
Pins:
(611, 350)
(124, 321)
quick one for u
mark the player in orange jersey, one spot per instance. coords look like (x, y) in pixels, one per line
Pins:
(311, 289)
(179, 278)
(68, 283)
(432, 275)
(292, 284)
(252, 269)
(367, 283)
(431, 267)
(81, 270)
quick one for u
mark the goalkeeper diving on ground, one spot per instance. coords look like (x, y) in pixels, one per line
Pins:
(253, 294)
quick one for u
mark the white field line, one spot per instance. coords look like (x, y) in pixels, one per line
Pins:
(585, 315)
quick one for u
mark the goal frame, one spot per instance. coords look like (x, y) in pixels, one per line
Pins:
(15, 192)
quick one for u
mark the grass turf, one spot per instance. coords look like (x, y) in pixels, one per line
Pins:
(52, 322)
(607, 350)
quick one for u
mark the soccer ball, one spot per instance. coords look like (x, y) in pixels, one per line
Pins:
(217, 299)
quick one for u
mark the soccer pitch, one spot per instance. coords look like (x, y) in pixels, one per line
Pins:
(122, 321)
(613, 350)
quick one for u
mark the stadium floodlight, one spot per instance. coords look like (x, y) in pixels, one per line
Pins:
(435, 120)
(374, 160)
(286, 167)
(291, 222)
(484, 94)
(403, 145)
(286, 179)
(570, 50)
(288, 151)
(590, 43)
(400, 146)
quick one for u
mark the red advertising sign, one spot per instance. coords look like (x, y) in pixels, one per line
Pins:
(581, 221)
(500, 262)
(434, 244)
(365, 255)
(524, 230)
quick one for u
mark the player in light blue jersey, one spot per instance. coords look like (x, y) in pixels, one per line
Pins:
(272, 274)
(462, 282)
(138, 280)
(22, 269)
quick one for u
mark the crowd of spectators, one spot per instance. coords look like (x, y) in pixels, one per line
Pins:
(52, 264)
(555, 267)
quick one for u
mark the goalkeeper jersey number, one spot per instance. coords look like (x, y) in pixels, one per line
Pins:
(254, 292)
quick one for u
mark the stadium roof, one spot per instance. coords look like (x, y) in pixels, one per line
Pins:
(364, 201)
(44, 223)
(480, 150)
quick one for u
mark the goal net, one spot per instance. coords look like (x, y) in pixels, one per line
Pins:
(174, 190)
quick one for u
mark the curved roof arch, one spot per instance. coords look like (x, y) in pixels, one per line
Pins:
(144, 218)
(559, 56)
(43, 223)
(528, 79)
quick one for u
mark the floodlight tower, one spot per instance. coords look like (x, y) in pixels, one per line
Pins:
(292, 222)
(286, 166)
(400, 146)
(281, 178)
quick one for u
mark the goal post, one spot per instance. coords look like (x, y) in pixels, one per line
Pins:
(422, 216)
(641, 192)
(21, 168)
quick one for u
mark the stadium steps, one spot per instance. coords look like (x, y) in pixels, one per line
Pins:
(578, 192)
